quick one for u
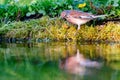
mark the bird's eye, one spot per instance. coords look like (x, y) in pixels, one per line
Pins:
(80, 17)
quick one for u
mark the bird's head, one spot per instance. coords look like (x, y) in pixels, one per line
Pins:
(63, 14)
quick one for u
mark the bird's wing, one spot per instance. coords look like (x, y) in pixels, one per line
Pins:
(80, 14)
(85, 17)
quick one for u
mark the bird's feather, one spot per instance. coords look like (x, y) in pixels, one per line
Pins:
(99, 16)
(86, 17)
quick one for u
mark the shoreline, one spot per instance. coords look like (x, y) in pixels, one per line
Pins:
(56, 29)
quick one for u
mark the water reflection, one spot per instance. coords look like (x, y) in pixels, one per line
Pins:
(59, 61)
(78, 64)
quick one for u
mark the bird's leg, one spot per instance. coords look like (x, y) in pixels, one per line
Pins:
(78, 27)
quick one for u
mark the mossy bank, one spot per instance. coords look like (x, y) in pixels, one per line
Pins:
(57, 29)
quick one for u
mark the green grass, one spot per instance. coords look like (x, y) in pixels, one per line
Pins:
(58, 29)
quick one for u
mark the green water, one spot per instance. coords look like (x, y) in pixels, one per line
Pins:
(41, 61)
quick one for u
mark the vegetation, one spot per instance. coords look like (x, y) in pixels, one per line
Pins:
(38, 21)
(53, 28)
(47, 28)
(110, 7)
(16, 10)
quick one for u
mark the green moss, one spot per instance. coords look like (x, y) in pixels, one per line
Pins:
(58, 29)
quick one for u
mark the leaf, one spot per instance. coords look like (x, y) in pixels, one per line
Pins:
(115, 4)
(30, 13)
(70, 7)
(42, 12)
(30, 8)
(112, 12)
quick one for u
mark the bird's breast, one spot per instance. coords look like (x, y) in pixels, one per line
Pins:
(78, 21)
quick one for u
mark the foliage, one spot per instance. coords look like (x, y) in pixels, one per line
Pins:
(56, 29)
(53, 7)
(17, 10)
(12, 12)
(110, 7)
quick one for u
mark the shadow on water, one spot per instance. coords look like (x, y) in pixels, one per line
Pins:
(59, 61)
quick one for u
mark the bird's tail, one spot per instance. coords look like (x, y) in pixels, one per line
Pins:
(99, 16)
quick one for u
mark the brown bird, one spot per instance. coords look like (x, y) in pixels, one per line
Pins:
(78, 17)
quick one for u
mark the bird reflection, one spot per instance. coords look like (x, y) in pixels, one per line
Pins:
(78, 64)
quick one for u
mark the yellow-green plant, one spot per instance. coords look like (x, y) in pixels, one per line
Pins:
(58, 29)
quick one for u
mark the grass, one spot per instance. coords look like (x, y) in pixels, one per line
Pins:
(47, 28)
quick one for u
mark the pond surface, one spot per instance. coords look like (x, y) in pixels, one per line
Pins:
(59, 61)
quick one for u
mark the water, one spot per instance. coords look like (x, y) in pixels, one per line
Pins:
(59, 61)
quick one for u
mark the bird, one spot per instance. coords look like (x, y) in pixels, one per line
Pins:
(78, 17)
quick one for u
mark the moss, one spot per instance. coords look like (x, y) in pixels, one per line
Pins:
(58, 29)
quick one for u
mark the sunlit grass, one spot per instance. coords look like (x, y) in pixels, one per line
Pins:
(60, 30)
